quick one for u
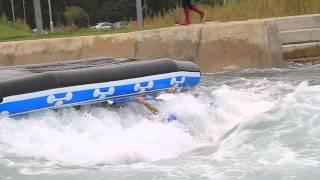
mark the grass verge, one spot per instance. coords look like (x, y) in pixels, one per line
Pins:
(13, 32)
(242, 10)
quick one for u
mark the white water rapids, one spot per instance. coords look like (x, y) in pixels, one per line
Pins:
(266, 125)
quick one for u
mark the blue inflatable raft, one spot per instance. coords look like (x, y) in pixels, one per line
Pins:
(91, 85)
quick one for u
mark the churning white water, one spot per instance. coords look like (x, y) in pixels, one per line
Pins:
(249, 124)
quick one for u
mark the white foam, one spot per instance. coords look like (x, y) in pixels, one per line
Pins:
(97, 135)
(259, 124)
(93, 136)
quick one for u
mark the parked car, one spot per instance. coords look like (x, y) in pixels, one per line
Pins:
(102, 25)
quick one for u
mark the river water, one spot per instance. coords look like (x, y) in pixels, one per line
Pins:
(265, 125)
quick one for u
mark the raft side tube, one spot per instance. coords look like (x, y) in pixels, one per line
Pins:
(90, 85)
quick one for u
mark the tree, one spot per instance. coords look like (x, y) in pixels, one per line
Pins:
(97, 10)
(76, 16)
(155, 7)
(117, 10)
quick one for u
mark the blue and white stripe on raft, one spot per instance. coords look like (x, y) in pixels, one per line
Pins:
(93, 85)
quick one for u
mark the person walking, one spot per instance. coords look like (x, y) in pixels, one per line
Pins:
(187, 7)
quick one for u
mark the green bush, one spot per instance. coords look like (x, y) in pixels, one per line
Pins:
(20, 24)
(66, 29)
(76, 16)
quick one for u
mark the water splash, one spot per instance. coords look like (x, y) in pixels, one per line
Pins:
(259, 128)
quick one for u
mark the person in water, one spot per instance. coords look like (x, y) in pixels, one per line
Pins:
(154, 110)
(187, 7)
(170, 117)
(151, 108)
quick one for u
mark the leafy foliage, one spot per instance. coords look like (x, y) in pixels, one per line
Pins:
(117, 10)
(76, 16)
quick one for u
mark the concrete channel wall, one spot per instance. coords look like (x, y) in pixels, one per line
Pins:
(300, 37)
(213, 46)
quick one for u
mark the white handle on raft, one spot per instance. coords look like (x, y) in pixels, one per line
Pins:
(103, 95)
(59, 101)
(141, 89)
(175, 82)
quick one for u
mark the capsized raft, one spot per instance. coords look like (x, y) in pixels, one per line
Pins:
(84, 86)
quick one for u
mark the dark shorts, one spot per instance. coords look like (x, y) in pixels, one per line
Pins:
(187, 4)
